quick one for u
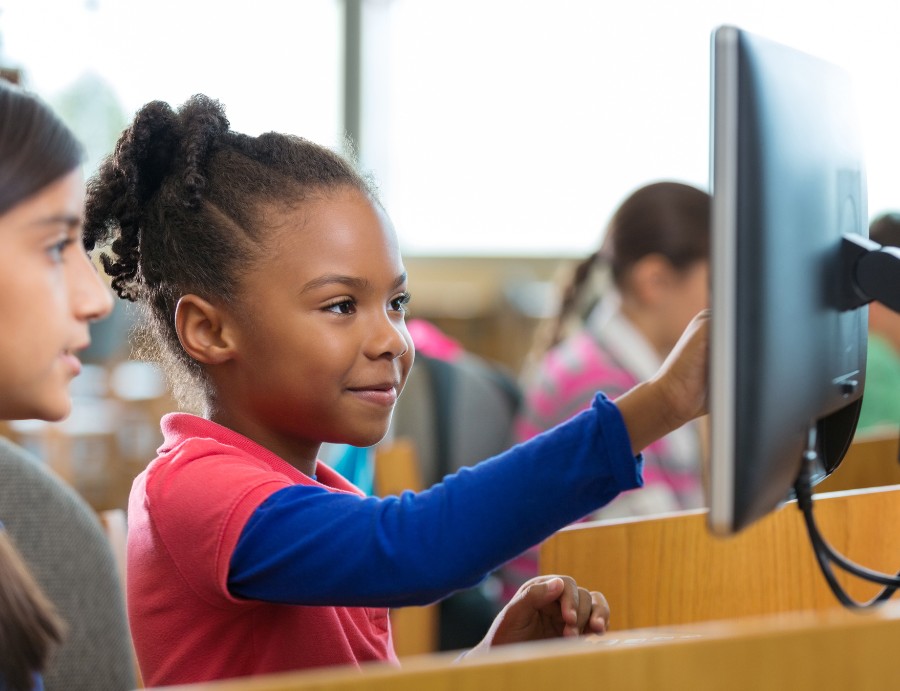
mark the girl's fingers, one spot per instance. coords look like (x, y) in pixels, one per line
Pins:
(599, 621)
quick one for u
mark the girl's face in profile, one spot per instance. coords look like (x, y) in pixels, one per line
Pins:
(49, 292)
(322, 348)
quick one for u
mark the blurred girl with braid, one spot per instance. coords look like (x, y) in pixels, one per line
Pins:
(608, 338)
(274, 288)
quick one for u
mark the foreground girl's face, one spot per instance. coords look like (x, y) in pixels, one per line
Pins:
(49, 292)
(324, 350)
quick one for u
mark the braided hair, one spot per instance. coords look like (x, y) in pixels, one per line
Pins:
(180, 207)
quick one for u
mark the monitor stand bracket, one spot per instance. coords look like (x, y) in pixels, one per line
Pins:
(871, 272)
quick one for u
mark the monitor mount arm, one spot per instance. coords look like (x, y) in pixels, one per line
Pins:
(871, 272)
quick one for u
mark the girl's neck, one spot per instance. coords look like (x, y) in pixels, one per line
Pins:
(648, 325)
(300, 454)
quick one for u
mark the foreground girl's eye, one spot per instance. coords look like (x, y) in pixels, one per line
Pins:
(400, 302)
(346, 306)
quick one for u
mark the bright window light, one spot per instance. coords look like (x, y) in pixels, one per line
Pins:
(492, 127)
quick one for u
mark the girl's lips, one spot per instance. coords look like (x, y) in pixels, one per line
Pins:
(71, 362)
(383, 396)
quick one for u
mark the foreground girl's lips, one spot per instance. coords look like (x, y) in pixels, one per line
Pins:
(379, 394)
(71, 362)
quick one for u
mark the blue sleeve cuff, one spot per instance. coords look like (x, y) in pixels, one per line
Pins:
(617, 445)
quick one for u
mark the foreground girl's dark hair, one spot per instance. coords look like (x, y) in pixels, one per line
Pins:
(29, 626)
(185, 204)
(36, 147)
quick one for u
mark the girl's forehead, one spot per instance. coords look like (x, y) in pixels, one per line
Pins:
(341, 229)
(339, 217)
(58, 203)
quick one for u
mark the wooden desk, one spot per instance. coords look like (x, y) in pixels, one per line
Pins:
(801, 652)
(669, 570)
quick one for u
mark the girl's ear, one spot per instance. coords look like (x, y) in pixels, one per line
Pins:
(651, 278)
(201, 328)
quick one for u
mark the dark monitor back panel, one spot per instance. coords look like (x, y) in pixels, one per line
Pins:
(788, 182)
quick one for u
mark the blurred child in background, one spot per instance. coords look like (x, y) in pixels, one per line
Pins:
(622, 312)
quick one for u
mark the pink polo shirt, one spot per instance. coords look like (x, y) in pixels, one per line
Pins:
(185, 515)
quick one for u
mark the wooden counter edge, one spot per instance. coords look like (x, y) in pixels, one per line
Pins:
(811, 650)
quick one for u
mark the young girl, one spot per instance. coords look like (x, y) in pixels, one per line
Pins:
(655, 254)
(273, 286)
(49, 292)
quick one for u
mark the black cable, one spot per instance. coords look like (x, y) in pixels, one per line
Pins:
(822, 554)
(851, 567)
(825, 553)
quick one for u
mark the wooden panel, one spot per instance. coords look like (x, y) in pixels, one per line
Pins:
(801, 652)
(871, 461)
(669, 570)
(397, 468)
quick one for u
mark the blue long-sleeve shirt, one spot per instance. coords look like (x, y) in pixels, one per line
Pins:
(305, 545)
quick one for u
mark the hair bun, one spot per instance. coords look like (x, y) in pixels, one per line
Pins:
(203, 121)
(163, 152)
(163, 142)
(146, 151)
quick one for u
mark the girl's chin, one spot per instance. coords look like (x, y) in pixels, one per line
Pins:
(367, 439)
(52, 410)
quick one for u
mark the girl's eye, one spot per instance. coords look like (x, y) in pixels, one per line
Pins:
(400, 302)
(342, 307)
(57, 250)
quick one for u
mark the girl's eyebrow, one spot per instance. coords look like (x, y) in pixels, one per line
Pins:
(69, 220)
(331, 279)
(349, 281)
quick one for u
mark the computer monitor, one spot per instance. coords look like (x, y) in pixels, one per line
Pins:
(788, 350)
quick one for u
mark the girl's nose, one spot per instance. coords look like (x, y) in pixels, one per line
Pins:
(389, 338)
(91, 297)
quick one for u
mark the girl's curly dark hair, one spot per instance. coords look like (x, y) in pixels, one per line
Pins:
(180, 207)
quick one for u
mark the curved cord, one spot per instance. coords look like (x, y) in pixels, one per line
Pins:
(824, 552)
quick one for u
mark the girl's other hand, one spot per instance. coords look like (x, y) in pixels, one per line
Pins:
(547, 607)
